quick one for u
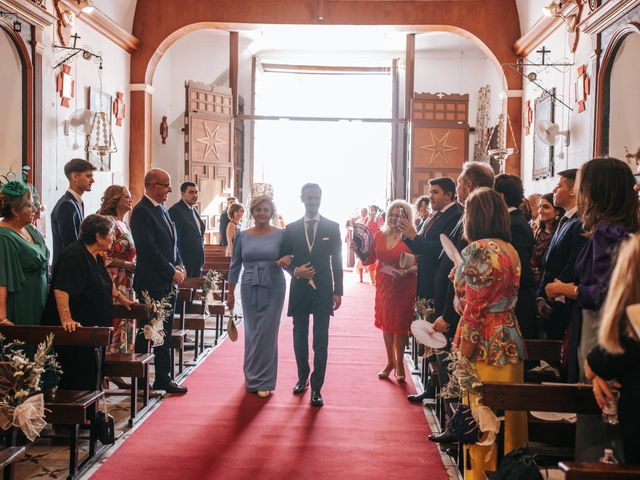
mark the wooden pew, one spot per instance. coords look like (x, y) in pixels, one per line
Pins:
(131, 365)
(8, 457)
(70, 408)
(598, 471)
(547, 350)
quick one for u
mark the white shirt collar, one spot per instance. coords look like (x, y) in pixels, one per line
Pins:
(316, 218)
(512, 209)
(571, 213)
(155, 204)
(76, 196)
(444, 209)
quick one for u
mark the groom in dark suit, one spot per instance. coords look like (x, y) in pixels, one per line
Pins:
(316, 287)
(68, 213)
(159, 266)
(190, 229)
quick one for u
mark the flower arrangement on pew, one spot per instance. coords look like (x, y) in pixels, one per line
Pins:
(210, 282)
(425, 308)
(159, 311)
(21, 399)
(462, 377)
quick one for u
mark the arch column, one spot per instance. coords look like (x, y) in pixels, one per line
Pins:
(140, 150)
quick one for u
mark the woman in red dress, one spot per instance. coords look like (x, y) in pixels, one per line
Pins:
(395, 290)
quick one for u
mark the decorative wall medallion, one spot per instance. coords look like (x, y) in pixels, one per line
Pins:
(527, 117)
(211, 141)
(164, 130)
(439, 148)
(65, 85)
(119, 108)
(593, 4)
(581, 88)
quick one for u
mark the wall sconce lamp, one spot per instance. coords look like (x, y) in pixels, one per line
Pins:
(554, 9)
(17, 25)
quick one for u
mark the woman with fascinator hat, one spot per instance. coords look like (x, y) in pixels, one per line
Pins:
(24, 258)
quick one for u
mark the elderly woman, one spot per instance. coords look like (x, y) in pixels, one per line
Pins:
(120, 261)
(24, 258)
(395, 293)
(486, 285)
(82, 295)
(263, 288)
(235, 212)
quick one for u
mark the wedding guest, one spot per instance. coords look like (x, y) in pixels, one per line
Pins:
(189, 229)
(24, 258)
(120, 261)
(548, 218)
(510, 188)
(236, 212)
(560, 262)
(82, 295)
(617, 357)
(68, 213)
(533, 201)
(257, 249)
(224, 221)
(422, 211)
(608, 210)
(488, 335)
(363, 219)
(395, 293)
(373, 224)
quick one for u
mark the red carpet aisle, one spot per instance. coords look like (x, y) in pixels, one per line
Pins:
(366, 430)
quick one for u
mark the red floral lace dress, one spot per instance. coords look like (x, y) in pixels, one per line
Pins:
(395, 298)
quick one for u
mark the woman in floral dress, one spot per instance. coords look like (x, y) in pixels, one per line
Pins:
(120, 262)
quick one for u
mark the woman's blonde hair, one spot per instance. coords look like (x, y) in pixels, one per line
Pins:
(110, 199)
(624, 290)
(408, 211)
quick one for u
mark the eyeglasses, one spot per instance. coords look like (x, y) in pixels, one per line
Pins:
(165, 185)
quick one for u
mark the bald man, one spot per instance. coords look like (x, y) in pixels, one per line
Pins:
(159, 266)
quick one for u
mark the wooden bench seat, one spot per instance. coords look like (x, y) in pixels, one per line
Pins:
(132, 366)
(8, 457)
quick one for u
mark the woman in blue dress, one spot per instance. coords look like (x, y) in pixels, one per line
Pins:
(262, 294)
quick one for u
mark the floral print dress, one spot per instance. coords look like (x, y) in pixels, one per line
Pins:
(486, 287)
(123, 248)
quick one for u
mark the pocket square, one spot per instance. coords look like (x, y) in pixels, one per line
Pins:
(326, 238)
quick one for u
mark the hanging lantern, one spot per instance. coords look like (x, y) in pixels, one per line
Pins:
(502, 152)
(100, 140)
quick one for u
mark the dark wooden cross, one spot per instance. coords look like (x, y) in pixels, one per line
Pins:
(75, 37)
(543, 51)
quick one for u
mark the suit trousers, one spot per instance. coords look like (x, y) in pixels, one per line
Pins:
(320, 346)
(162, 354)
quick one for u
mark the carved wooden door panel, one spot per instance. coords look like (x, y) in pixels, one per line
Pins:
(439, 142)
(209, 150)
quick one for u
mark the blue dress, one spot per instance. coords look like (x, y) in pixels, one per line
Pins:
(262, 293)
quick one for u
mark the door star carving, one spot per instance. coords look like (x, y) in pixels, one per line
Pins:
(211, 141)
(439, 148)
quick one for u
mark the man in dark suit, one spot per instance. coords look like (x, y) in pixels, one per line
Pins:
(426, 243)
(224, 221)
(510, 187)
(68, 213)
(560, 262)
(190, 229)
(473, 175)
(159, 266)
(316, 287)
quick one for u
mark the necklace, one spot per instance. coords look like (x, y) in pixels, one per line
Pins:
(20, 231)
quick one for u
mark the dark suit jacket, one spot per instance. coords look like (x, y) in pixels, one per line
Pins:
(224, 221)
(66, 218)
(522, 240)
(156, 247)
(326, 258)
(428, 246)
(190, 237)
(560, 263)
(445, 293)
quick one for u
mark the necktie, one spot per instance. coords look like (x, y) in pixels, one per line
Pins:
(82, 209)
(563, 220)
(165, 217)
(311, 232)
(195, 217)
(431, 222)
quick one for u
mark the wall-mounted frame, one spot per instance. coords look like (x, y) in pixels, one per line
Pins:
(543, 153)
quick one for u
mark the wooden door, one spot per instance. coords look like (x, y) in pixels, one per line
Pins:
(439, 142)
(209, 150)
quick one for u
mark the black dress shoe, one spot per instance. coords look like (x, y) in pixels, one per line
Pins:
(316, 399)
(445, 437)
(417, 398)
(171, 387)
(300, 387)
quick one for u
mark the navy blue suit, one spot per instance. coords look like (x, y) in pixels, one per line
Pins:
(560, 263)
(522, 241)
(326, 258)
(66, 218)
(190, 237)
(155, 238)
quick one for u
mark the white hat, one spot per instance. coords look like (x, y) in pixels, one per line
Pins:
(426, 335)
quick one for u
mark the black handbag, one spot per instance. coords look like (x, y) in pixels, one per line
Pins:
(105, 427)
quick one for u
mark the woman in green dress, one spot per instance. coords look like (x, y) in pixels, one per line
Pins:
(24, 258)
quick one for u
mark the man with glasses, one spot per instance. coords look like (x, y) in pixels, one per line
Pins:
(159, 266)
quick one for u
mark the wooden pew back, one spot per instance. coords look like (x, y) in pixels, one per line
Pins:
(83, 336)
